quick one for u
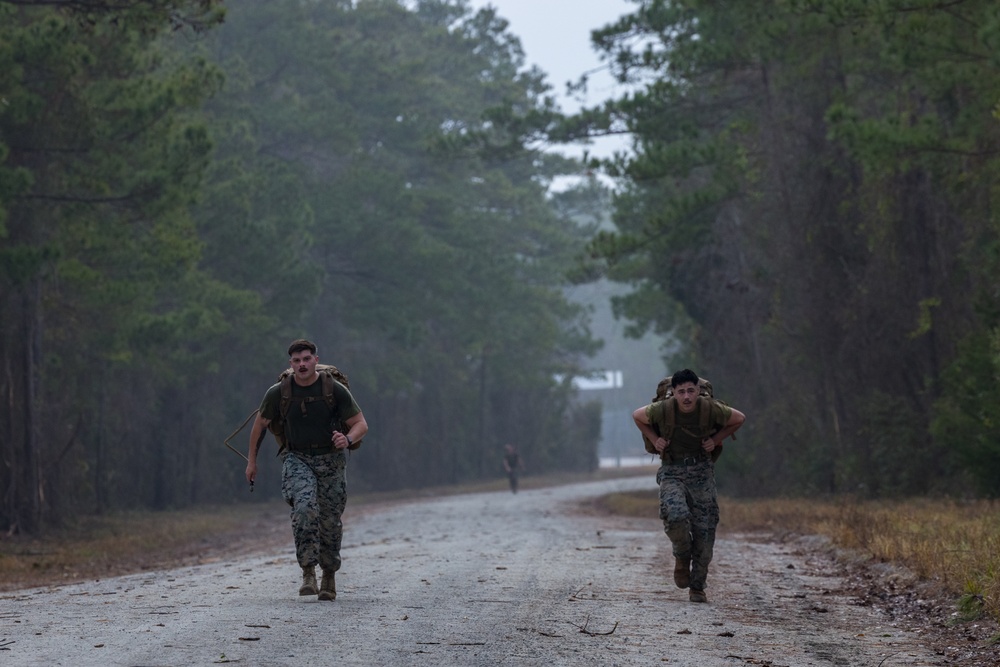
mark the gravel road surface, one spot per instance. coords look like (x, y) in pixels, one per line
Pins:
(480, 579)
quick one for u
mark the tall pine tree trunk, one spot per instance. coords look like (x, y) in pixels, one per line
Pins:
(30, 514)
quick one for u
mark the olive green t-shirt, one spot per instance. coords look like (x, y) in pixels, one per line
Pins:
(310, 423)
(687, 435)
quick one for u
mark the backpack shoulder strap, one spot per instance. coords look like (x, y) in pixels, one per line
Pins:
(704, 408)
(327, 379)
(669, 417)
(286, 395)
(704, 414)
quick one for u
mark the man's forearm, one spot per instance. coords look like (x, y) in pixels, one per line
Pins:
(257, 434)
(357, 430)
(721, 436)
(647, 430)
(735, 422)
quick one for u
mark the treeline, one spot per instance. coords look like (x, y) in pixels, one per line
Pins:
(813, 206)
(184, 189)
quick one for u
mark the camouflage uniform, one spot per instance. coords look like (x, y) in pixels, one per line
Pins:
(316, 488)
(314, 473)
(690, 512)
(689, 506)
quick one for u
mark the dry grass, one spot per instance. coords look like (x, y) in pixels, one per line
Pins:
(956, 544)
(104, 546)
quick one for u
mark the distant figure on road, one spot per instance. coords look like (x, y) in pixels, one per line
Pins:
(513, 464)
(689, 507)
(319, 420)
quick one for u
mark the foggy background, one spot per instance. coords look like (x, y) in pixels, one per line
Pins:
(802, 207)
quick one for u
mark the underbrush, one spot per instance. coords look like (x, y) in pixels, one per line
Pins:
(953, 543)
(109, 545)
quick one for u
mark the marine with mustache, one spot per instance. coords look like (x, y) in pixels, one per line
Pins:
(689, 506)
(317, 436)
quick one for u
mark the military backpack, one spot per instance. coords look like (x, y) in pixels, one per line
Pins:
(665, 397)
(328, 375)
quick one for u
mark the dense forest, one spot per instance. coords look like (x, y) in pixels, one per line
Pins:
(810, 208)
(186, 186)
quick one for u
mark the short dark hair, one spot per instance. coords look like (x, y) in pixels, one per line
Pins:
(301, 344)
(683, 376)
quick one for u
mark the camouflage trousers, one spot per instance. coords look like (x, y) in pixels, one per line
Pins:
(689, 509)
(316, 488)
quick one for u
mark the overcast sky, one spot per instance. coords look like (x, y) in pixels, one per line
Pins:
(555, 35)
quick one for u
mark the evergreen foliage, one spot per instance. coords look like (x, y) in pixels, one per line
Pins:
(814, 190)
(181, 196)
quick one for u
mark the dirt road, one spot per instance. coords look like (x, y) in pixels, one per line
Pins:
(484, 579)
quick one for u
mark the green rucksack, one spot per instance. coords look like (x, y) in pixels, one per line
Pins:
(328, 375)
(665, 396)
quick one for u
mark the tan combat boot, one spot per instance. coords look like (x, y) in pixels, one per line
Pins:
(682, 572)
(308, 581)
(694, 595)
(328, 591)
